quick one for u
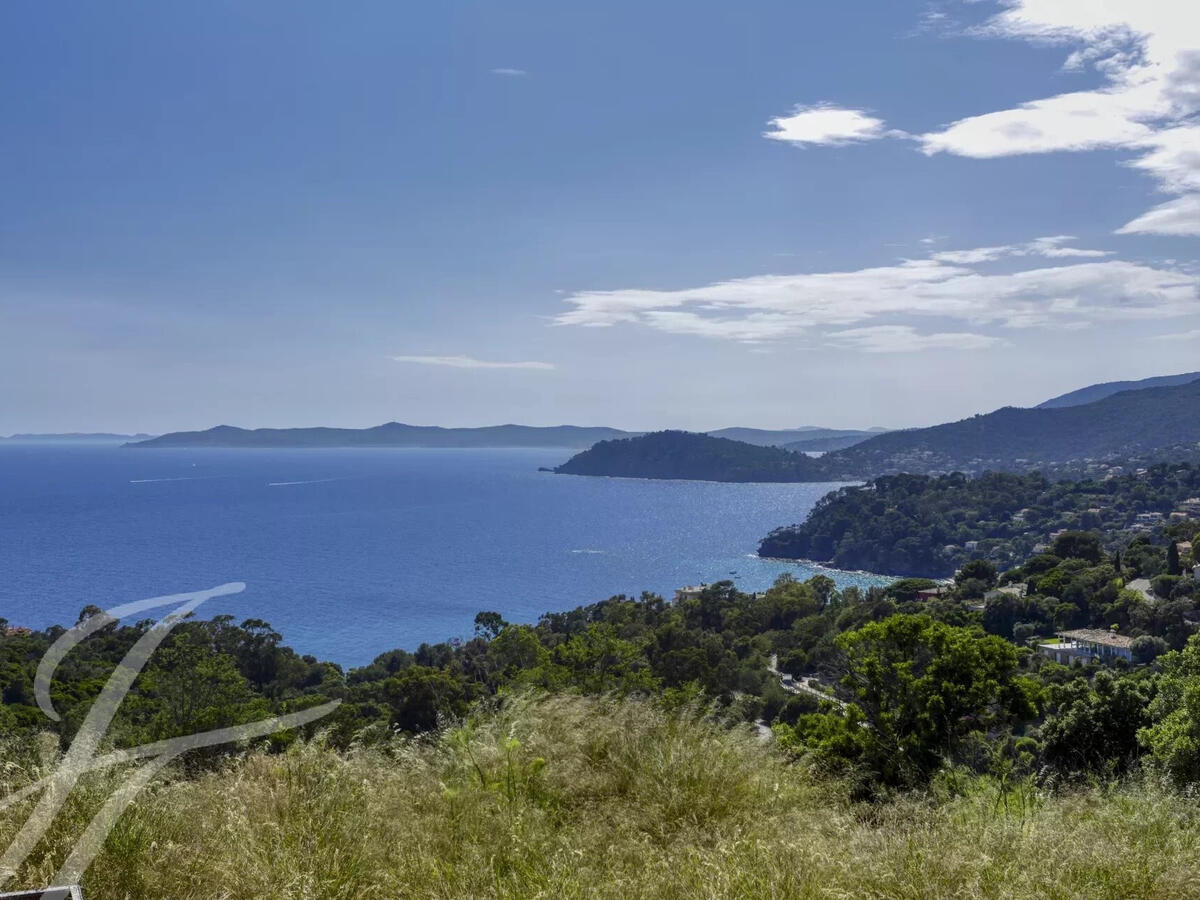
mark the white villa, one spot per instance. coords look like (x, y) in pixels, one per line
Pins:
(1083, 645)
(690, 592)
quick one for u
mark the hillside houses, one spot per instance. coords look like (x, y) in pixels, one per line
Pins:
(1084, 645)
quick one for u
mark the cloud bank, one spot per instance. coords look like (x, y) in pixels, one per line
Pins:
(468, 362)
(860, 309)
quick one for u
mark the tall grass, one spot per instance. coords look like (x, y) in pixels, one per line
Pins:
(566, 797)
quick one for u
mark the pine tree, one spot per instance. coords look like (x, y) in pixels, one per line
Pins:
(1173, 566)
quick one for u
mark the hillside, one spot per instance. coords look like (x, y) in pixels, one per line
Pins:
(803, 435)
(920, 525)
(393, 434)
(1163, 421)
(1094, 392)
(833, 441)
(686, 455)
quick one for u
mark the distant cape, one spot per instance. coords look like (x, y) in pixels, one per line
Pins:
(397, 434)
(393, 434)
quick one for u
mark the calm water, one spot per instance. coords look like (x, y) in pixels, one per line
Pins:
(352, 552)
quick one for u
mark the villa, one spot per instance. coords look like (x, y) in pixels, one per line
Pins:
(690, 592)
(1009, 590)
(1083, 645)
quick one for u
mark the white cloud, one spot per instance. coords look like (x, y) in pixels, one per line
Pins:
(510, 73)
(905, 339)
(467, 362)
(825, 124)
(1180, 216)
(1050, 247)
(1193, 335)
(823, 304)
(1149, 54)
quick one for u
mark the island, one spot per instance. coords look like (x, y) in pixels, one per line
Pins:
(688, 455)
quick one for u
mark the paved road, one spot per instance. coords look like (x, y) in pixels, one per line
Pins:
(800, 685)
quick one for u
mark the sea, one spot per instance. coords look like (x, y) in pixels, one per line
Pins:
(349, 553)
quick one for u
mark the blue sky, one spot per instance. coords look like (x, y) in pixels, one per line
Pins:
(635, 214)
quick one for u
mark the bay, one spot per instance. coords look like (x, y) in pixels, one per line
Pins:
(349, 553)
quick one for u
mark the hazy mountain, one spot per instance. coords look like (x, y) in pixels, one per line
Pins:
(393, 434)
(769, 438)
(1094, 392)
(396, 434)
(835, 440)
(77, 437)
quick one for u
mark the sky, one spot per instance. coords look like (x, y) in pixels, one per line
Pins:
(635, 214)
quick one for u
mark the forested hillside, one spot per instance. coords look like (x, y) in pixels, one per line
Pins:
(922, 525)
(1164, 421)
(686, 455)
(1094, 392)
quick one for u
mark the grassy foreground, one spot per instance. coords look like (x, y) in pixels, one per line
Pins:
(566, 796)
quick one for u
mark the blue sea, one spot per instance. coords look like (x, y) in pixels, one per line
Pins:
(352, 552)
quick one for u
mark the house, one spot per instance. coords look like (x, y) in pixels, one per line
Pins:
(971, 546)
(933, 592)
(1083, 645)
(1009, 590)
(1191, 507)
(691, 592)
(1148, 518)
(1184, 548)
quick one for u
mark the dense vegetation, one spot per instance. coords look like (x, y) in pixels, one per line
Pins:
(932, 525)
(683, 454)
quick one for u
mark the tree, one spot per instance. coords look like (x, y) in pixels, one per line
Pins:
(489, 624)
(418, 696)
(1095, 728)
(1148, 648)
(977, 569)
(1174, 735)
(921, 686)
(1078, 545)
(1174, 567)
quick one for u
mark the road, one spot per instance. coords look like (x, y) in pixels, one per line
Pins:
(799, 686)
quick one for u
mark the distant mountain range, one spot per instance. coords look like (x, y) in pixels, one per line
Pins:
(1094, 392)
(396, 434)
(393, 434)
(1160, 423)
(76, 437)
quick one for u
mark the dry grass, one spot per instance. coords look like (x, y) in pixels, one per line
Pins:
(566, 797)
